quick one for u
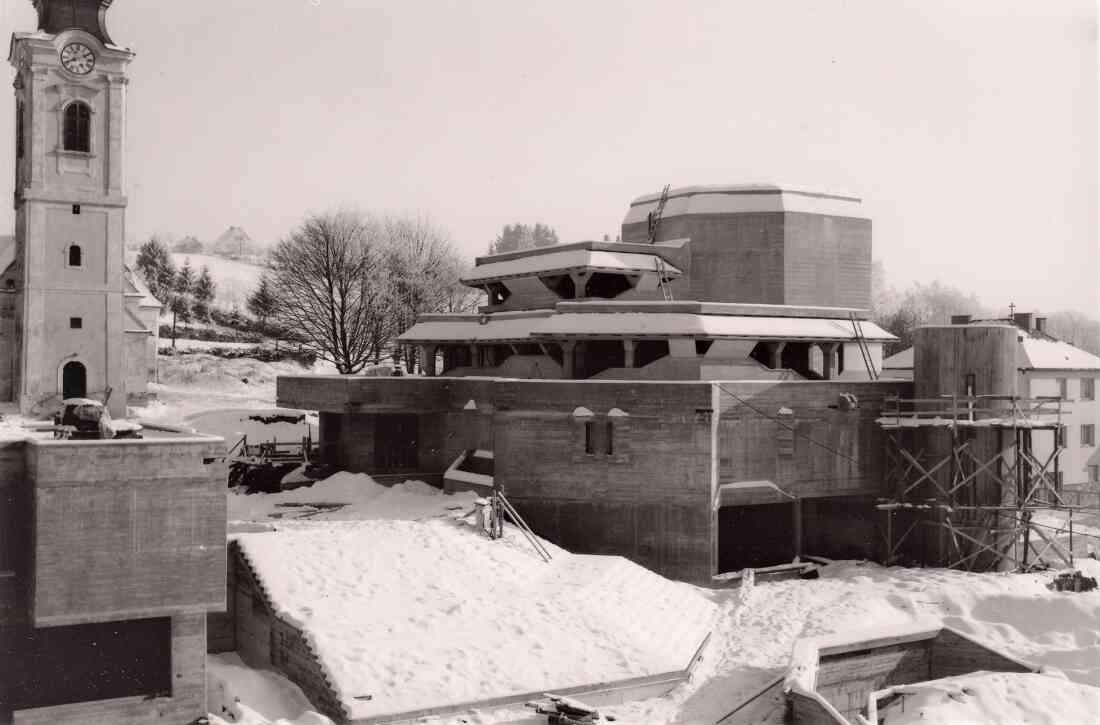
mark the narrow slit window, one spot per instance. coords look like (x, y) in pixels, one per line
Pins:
(609, 437)
(19, 130)
(590, 437)
(78, 127)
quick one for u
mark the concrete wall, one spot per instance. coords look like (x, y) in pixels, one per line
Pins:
(953, 655)
(265, 639)
(755, 442)
(772, 257)
(846, 680)
(944, 355)
(126, 528)
(649, 500)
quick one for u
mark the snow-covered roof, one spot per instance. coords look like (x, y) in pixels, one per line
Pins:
(1036, 353)
(638, 324)
(566, 260)
(135, 281)
(745, 198)
(521, 326)
(1045, 354)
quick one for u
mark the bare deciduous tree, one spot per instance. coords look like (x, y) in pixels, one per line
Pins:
(329, 282)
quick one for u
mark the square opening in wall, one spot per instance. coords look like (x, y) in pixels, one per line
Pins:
(76, 323)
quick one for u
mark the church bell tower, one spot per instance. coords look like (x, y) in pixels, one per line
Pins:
(64, 282)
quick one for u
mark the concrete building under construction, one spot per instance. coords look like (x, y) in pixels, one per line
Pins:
(704, 396)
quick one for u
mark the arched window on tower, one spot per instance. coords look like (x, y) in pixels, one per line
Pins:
(76, 256)
(78, 127)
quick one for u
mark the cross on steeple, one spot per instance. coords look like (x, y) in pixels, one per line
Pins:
(1012, 310)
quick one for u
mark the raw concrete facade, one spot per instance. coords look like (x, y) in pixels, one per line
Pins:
(647, 470)
(73, 319)
(111, 553)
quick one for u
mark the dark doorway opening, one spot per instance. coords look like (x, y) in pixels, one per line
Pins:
(86, 662)
(396, 442)
(755, 536)
(74, 380)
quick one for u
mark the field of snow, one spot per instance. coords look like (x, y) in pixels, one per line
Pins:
(193, 384)
(235, 280)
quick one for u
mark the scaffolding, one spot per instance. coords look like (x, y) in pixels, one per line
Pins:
(967, 486)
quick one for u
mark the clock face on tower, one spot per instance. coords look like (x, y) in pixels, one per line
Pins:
(78, 58)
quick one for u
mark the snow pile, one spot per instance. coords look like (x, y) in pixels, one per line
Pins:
(994, 697)
(426, 614)
(230, 682)
(1014, 613)
(349, 497)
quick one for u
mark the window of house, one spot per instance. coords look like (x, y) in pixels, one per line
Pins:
(1088, 434)
(609, 437)
(1063, 389)
(76, 256)
(590, 436)
(77, 127)
(76, 323)
(1094, 474)
(1088, 388)
(1062, 436)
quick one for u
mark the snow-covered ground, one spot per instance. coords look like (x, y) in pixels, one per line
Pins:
(197, 383)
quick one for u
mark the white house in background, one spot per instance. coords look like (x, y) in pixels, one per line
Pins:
(1048, 367)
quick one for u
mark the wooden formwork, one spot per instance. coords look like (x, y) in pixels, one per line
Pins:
(964, 482)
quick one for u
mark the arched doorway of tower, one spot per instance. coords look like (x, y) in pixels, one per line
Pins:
(74, 380)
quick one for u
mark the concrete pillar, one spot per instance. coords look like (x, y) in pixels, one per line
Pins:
(828, 359)
(427, 360)
(775, 354)
(579, 281)
(490, 356)
(628, 353)
(475, 360)
(568, 349)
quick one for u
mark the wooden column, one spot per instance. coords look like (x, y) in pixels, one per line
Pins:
(628, 353)
(568, 349)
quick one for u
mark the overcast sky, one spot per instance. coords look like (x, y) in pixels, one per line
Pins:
(969, 128)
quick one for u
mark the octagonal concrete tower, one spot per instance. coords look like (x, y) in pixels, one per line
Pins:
(78, 321)
(763, 244)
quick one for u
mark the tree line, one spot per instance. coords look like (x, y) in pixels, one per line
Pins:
(343, 283)
(186, 295)
(900, 312)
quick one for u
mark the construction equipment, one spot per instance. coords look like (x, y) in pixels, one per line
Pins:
(864, 349)
(654, 217)
(261, 465)
(663, 280)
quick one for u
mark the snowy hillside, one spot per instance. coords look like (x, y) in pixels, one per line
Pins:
(235, 280)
